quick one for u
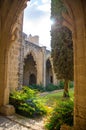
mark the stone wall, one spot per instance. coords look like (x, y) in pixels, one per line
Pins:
(40, 56)
(15, 55)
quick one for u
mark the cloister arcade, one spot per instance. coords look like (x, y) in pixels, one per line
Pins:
(10, 29)
(37, 64)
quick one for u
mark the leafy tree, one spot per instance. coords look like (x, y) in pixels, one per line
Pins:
(62, 46)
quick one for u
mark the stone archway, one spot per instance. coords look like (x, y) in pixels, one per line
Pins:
(75, 19)
(49, 73)
(9, 13)
(30, 71)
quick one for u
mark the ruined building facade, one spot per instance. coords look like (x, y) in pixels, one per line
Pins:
(29, 63)
(36, 63)
(10, 40)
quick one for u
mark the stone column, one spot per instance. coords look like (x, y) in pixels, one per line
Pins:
(9, 13)
(80, 82)
(44, 65)
(4, 91)
(76, 20)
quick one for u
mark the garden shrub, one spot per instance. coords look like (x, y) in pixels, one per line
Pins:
(52, 87)
(49, 87)
(71, 84)
(26, 104)
(61, 85)
(40, 88)
(62, 114)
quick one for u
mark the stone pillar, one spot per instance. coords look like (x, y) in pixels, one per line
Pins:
(44, 65)
(80, 82)
(76, 20)
(15, 58)
(4, 82)
(21, 53)
(9, 12)
(4, 90)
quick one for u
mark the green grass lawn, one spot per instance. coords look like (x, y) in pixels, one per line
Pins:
(51, 99)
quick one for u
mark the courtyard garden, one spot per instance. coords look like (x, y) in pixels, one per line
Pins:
(51, 105)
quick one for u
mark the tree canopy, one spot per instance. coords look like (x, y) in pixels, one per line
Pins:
(62, 53)
(61, 43)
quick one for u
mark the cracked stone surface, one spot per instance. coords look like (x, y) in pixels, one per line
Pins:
(17, 122)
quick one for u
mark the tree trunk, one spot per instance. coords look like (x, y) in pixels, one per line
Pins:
(66, 92)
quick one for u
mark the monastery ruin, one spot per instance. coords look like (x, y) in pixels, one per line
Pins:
(10, 44)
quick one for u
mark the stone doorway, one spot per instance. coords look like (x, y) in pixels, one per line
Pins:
(30, 71)
(49, 73)
(32, 79)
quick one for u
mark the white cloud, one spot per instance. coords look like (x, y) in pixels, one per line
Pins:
(37, 21)
(45, 7)
(45, 1)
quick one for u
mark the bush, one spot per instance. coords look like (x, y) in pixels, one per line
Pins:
(62, 114)
(31, 108)
(61, 85)
(51, 87)
(71, 84)
(26, 104)
(37, 87)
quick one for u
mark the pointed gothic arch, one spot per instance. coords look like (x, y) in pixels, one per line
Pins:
(10, 15)
(49, 73)
(30, 70)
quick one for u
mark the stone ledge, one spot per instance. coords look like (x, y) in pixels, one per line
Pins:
(7, 110)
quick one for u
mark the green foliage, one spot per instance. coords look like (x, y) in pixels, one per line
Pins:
(26, 104)
(40, 88)
(62, 53)
(61, 43)
(62, 46)
(51, 87)
(23, 94)
(62, 114)
(71, 84)
(61, 84)
(32, 108)
(57, 7)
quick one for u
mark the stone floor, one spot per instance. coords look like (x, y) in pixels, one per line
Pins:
(17, 122)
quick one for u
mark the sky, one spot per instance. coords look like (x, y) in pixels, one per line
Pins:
(37, 21)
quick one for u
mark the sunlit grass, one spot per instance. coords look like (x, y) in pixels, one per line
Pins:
(51, 99)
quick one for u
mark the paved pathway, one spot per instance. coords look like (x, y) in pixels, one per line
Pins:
(50, 92)
(17, 122)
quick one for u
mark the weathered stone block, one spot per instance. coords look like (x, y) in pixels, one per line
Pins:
(7, 110)
(65, 127)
